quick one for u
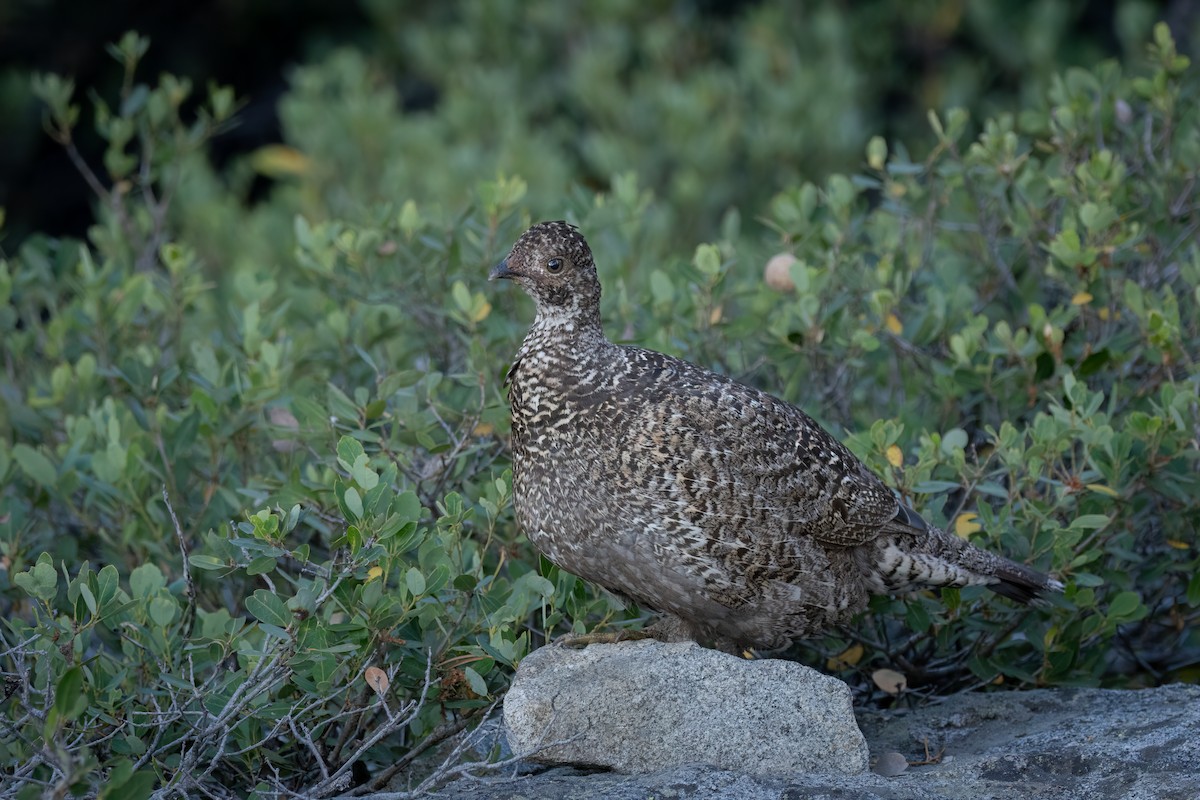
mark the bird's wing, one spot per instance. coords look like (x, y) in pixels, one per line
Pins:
(854, 504)
(773, 452)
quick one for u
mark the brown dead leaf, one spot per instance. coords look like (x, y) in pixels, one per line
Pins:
(778, 273)
(377, 679)
(890, 681)
(283, 417)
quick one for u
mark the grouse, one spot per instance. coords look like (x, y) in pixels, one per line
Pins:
(721, 506)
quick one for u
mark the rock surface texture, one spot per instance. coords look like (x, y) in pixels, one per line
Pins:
(1047, 744)
(645, 706)
(719, 505)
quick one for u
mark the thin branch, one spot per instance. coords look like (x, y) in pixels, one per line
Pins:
(189, 614)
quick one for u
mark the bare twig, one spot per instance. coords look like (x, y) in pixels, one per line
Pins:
(189, 614)
(336, 781)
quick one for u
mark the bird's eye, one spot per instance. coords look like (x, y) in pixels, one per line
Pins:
(554, 264)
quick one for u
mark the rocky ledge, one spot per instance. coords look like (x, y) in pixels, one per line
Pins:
(683, 722)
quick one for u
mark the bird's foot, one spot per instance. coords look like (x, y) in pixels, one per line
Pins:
(596, 637)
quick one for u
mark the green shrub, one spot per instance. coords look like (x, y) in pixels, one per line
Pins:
(279, 434)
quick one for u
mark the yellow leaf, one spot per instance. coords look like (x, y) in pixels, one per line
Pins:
(377, 679)
(279, 160)
(1081, 299)
(965, 525)
(894, 326)
(1102, 489)
(889, 680)
(480, 312)
(894, 456)
(373, 573)
(1049, 637)
(1103, 314)
(1178, 545)
(847, 658)
(877, 151)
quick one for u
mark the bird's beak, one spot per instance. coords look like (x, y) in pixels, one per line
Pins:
(501, 270)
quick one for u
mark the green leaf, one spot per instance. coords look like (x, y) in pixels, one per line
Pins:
(1089, 522)
(954, 440)
(268, 608)
(274, 631)
(108, 580)
(215, 624)
(1068, 249)
(542, 586)
(362, 473)
(293, 517)
(407, 506)
(415, 581)
(461, 296)
(877, 151)
(125, 784)
(40, 580)
(410, 219)
(35, 465)
(69, 699)
(1096, 218)
(1123, 605)
(88, 598)
(353, 502)
(707, 259)
(349, 449)
(163, 609)
(1193, 590)
(145, 580)
(439, 576)
(206, 562)
(936, 487)
(260, 565)
(354, 538)
(917, 617)
(476, 682)
(661, 287)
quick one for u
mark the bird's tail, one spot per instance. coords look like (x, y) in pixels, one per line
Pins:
(1019, 582)
(910, 560)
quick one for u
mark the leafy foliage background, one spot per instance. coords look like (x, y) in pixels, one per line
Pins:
(255, 523)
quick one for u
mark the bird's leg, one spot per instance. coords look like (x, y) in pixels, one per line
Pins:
(666, 628)
(599, 637)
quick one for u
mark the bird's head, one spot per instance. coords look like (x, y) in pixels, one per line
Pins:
(553, 264)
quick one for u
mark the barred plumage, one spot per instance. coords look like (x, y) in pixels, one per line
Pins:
(695, 495)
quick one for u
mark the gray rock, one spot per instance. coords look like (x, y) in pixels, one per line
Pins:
(648, 705)
(1047, 744)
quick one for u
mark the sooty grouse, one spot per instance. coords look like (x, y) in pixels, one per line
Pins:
(694, 495)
